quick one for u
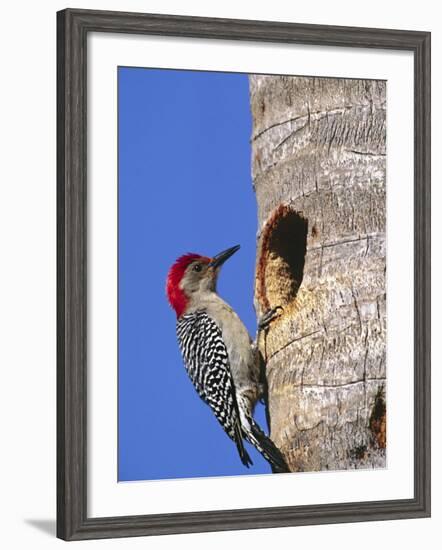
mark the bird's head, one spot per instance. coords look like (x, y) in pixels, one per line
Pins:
(193, 274)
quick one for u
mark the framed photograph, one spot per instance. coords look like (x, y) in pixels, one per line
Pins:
(243, 274)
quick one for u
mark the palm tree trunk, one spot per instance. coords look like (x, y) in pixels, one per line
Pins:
(318, 157)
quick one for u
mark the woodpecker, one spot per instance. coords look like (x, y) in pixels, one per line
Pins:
(218, 353)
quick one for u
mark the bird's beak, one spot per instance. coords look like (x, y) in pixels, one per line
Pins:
(220, 258)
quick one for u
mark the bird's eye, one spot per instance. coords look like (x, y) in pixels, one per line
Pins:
(197, 267)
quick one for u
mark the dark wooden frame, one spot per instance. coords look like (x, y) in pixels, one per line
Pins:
(73, 27)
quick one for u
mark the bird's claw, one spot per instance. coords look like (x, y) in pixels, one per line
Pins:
(268, 317)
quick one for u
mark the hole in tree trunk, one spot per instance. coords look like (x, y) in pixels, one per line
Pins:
(281, 263)
(378, 419)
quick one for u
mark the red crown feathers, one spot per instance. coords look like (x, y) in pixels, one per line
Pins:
(175, 295)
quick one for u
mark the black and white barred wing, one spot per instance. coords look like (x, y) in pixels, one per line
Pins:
(207, 364)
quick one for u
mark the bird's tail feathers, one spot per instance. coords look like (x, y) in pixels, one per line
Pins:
(266, 447)
(243, 454)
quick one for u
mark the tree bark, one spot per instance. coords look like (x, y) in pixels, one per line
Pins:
(318, 163)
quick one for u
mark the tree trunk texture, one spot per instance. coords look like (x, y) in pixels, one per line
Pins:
(318, 163)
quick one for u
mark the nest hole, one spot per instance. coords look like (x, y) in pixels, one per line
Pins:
(282, 259)
(378, 419)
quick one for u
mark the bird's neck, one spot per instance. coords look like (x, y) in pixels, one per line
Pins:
(203, 300)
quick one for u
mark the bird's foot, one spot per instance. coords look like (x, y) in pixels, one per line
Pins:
(268, 317)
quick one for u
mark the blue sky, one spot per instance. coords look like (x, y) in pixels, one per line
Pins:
(184, 186)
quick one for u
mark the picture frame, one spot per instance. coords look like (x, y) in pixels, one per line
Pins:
(73, 28)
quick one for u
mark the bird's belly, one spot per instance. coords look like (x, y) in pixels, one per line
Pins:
(242, 357)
